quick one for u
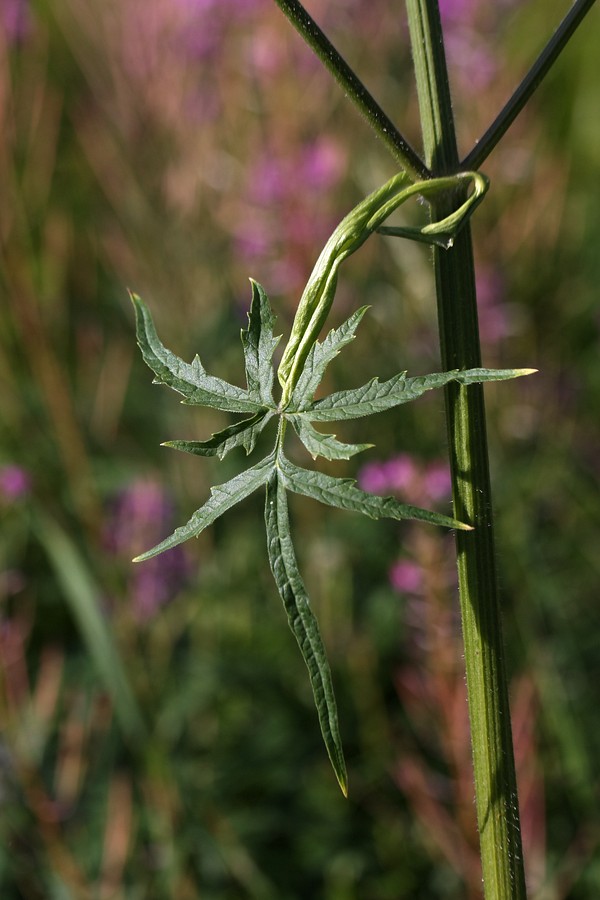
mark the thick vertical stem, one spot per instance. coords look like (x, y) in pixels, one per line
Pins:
(495, 781)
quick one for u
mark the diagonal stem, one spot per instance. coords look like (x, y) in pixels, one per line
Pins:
(396, 143)
(539, 69)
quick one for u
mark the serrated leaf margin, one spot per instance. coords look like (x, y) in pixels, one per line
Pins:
(344, 494)
(222, 497)
(302, 621)
(189, 379)
(259, 345)
(325, 445)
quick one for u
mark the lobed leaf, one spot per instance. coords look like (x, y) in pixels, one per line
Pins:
(241, 434)
(222, 497)
(325, 445)
(191, 380)
(377, 396)
(302, 621)
(319, 357)
(343, 493)
(259, 345)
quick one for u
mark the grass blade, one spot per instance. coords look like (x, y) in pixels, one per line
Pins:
(84, 598)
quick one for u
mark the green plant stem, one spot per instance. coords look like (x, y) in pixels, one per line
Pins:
(495, 780)
(539, 69)
(396, 143)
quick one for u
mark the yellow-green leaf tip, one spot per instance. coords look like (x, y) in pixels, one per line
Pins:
(343, 783)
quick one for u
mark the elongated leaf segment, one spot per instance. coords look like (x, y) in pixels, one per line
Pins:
(191, 380)
(222, 497)
(275, 473)
(367, 217)
(378, 396)
(302, 621)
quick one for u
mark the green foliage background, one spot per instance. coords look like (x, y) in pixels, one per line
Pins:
(172, 750)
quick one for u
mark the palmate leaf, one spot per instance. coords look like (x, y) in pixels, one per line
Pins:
(377, 396)
(321, 354)
(222, 497)
(343, 493)
(191, 380)
(302, 621)
(259, 345)
(241, 434)
(326, 445)
(278, 474)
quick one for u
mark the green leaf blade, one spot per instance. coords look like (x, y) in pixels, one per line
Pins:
(344, 494)
(377, 396)
(259, 345)
(241, 434)
(325, 445)
(191, 380)
(477, 376)
(85, 596)
(302, 622)
(222, 497)
(319, 357)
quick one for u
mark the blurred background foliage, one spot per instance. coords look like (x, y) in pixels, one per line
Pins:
(158, 734)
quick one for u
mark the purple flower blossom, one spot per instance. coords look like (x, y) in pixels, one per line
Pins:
(456, 10)
(15, 482)
(469, 26)
(318, 165)
(265, 54)
(280, 211)
(323, 163)
(372, 477)
(406, 577)
(270, 180)
(465, 12)
(140, 517)
(401, 472)
(473, 63)
(205, 22)
(436, 481)
(494, 321)
(404, 476)
(15, 20)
